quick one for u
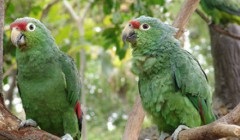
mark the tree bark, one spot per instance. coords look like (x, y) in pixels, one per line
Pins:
(189, 6)
(135, 121)
(2, 12)
(9, 129)
(226, 60)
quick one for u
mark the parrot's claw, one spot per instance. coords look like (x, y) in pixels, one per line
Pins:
(163, 136)
(178, 130)
(28, 122)
(67, 137)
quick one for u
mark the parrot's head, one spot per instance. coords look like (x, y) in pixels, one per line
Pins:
(144, 31)
(28, 32)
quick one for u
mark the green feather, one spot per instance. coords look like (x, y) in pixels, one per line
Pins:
(222, 11)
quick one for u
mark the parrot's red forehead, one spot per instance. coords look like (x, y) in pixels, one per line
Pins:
(20, 25)
(135, 24)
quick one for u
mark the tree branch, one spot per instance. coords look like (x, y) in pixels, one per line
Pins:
(2, 12)
(204, 17)
(210, 132)
(134, 122)
(223, 127)
(9, 128)
(189, 6)
(216, 27)
(71, 11)
(9, 70)
(47, 8)
(85, 11)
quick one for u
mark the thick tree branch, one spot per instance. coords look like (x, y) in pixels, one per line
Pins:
(210, 132)
(29, 133)
(226, 126)
(135, 120)
(9, 128)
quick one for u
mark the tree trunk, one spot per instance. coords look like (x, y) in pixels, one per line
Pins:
(226, 60)
(1, 47)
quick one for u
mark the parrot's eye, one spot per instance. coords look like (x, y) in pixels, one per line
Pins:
(145, 26)
(31, 27)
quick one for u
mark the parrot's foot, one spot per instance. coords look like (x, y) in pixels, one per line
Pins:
(178, 130)
(67, 137)
(28, 122)
(163, 136)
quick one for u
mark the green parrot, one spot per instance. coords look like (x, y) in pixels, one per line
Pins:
(48, 80)
(222, 11)
(172, 85)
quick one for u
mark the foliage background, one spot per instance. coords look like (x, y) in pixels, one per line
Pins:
(110, 86)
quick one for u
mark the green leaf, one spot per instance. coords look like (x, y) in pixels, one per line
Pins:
(107, 6)
(156, 2)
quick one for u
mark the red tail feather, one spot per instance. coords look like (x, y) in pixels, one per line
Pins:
(78, 110)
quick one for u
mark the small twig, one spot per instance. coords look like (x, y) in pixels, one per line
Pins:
(85, 11)
(71, 11)
(223, 31)
(47, 8)
(203, 16)
(78, 19)
(9, 71)
(216, 27)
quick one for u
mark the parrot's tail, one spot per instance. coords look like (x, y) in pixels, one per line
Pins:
(79, 114)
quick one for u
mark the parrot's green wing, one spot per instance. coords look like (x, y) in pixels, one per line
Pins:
(72, 79)
(222, 11)
(229, 6)
(192, 81)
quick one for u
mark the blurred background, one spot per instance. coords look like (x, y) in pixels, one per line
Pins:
(90, 32)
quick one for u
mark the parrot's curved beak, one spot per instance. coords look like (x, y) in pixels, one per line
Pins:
(17, 38)
(128, 34)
